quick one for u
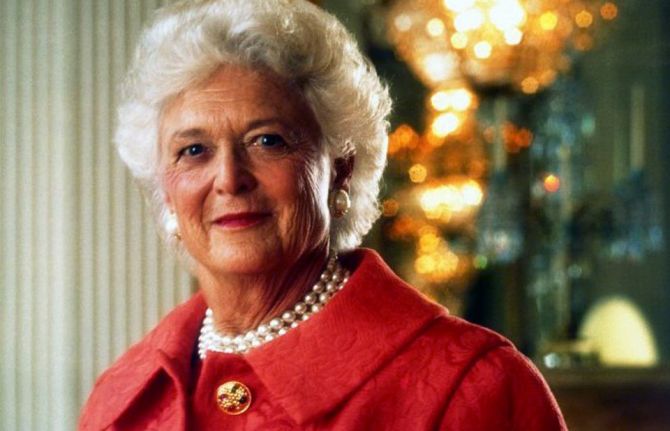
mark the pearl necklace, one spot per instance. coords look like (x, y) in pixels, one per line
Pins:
(331, 281)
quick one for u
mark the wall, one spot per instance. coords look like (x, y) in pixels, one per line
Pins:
(82, 273)
(633, 53)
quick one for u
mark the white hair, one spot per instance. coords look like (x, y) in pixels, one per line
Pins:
(188, 41)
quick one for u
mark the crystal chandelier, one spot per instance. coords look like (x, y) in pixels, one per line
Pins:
(522, 44)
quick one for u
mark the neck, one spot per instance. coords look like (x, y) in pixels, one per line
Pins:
(242, 302)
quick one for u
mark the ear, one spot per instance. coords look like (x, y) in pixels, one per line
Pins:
(343, 169)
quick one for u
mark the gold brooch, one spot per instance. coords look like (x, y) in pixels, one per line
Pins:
(233, 397)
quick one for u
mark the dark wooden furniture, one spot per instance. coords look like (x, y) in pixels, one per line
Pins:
(613, 399)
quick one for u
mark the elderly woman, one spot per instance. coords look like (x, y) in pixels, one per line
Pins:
(259, 132)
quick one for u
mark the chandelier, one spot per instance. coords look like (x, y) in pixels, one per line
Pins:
(522, 44)
(464, 52)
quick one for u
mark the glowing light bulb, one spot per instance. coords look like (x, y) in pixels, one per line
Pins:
(429, 201)
(428, 243)
(404, 137)
(459, 40)
(424, 264)
(469, 20)
(584, 19)
(435, 27)
(439, 66)
(418, 173)
(458, 5)
(444, 124)
(551, 183)
(440, 101)
(403, 22)
(507, 14)
(609, 11)
(472, 193)
(451, 198)
(513, 36)
(461, 99)
(405, 134)
(549, 20)
(482, 50)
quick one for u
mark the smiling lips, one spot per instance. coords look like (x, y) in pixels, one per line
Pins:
(241, 220)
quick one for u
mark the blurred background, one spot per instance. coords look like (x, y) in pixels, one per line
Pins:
(525, 190)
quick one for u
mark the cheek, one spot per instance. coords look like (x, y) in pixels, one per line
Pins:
(186, 190)
(314, 187)
(308, 218)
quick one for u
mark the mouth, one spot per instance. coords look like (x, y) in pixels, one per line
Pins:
(235, 221)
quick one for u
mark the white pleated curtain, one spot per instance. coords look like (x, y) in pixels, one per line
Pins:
(82, 272)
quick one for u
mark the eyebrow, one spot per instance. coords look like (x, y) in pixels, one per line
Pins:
(188, 133)
(265, 122)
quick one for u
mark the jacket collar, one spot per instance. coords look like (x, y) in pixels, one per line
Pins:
(161, 351)
(330, 355)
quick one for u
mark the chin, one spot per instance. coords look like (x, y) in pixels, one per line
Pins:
(252, 257)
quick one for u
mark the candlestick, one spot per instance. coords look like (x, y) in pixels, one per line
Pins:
(499, 118)
(637, 127)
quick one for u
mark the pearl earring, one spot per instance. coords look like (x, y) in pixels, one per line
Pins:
(339, 203)
(172, 225)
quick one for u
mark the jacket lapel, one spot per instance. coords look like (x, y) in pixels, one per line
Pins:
(166, 351)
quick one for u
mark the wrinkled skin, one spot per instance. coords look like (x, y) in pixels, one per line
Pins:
(246, 175)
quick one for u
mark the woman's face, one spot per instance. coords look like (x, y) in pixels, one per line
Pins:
(244, 172)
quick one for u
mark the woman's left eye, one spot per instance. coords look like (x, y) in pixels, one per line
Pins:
(269, 141)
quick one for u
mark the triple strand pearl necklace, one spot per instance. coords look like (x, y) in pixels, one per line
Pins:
(330, 282)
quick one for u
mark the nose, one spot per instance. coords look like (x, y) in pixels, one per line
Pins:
(233, 173)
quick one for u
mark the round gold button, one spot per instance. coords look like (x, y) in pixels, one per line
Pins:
(233, 397)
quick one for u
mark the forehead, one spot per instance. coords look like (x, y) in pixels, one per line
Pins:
(238, 94)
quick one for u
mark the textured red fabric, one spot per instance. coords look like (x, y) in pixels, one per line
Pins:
(379, 356)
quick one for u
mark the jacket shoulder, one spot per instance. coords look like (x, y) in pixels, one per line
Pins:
(489, 383)
(502, 389)
(461, 338)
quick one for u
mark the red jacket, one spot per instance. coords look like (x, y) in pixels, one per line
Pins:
(379, 356)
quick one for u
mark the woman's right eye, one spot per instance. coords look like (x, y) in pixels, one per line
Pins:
(192, 151)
